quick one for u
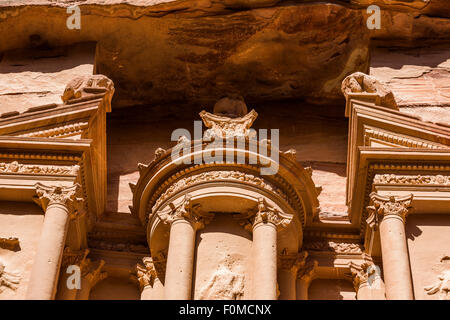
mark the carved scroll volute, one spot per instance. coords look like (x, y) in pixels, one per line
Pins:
(388, 207)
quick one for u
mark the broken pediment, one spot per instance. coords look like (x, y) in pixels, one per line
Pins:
(384, 141)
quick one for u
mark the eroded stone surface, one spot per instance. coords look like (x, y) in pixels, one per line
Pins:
(419, 79)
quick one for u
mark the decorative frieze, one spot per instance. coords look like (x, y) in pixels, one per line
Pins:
(336, 247)
(412, 179)
(222, 176)
(18, 168)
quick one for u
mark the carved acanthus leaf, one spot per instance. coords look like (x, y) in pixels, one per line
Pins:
(48, 195)
(381, 207)
(267, 214)
(185, 210)
(362, 272)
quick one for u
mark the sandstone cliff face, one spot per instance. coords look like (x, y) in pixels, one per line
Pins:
(159, 51)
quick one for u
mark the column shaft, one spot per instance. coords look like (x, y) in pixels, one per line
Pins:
(44, 275)
(286, 281)
(397, 273)
(265, 261)
(180, 261)
(302, 289)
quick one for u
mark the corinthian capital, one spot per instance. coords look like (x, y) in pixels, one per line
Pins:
(292, 262)
(267, 214)
(91, 272)
(48, 195)
(382, 207)
(146, 274)
(185, 210)
(71, 257)
(307, 272)
(360, 273)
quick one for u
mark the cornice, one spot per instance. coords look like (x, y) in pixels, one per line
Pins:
(396, 139)
(58, 131)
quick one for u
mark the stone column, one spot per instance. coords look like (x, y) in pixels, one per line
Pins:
(91, 274)
(266, 223)
(57, 203)
(305, 275)
(389, 214)
(367, 281)
(69, 258)
(288, 266)
(149, 283)
(184, 222)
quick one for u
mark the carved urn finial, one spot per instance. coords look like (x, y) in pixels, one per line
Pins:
(231, 105)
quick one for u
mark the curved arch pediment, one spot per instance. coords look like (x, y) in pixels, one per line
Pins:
(164, 177)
